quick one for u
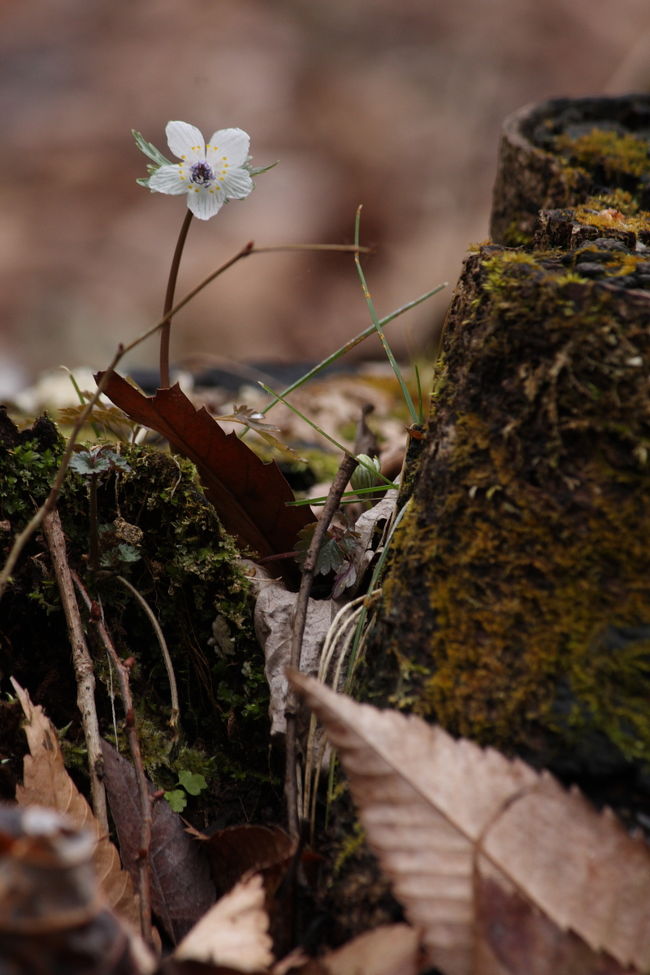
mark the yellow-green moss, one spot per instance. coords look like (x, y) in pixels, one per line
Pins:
(186, 567)
(523, 560)
(607, 150)
(609, 218)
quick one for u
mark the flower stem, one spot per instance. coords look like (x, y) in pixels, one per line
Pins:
(165, 331)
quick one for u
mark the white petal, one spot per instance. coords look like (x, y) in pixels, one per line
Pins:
(237, 184)
(185, 141)
(205, 203)
(231, 143)
(169, 179)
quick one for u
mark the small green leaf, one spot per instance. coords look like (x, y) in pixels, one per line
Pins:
(192, 782)
(150, 150)
(263, 169)
(363, 477)
(86, 462)
(116, 460)
(177, 799)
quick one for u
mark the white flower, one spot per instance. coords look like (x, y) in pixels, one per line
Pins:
(209, 174)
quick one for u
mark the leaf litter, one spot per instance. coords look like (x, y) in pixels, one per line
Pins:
(445, 815)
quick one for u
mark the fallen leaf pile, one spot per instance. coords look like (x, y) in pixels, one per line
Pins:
(452, 823)
(500, 870)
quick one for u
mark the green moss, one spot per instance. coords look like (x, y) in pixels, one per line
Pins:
(523, 561)
(353, 844)
(517, 236)
(28, 470)
(186, 567)
(615, 199)
(608, 218)
(604, 149)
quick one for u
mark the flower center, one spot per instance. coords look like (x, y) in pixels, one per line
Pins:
(202, 174)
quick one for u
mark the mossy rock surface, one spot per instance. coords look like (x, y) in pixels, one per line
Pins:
(158, 532)
(517, 607)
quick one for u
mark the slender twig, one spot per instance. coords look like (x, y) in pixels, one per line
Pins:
(93, 528)
(345, 472)
(123, 671)
(165, 330)
(82, 663)
(243, 252)
(169, 667)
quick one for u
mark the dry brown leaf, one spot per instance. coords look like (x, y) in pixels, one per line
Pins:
(237, 851)
(530, 943)
(251, 497)
(274, 611)
(181, 887)
(47, 783)
(435, 809)
(233, 933)
(393, 949)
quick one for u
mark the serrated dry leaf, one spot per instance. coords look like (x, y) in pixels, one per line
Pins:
(529, 943)
(435, 809)
(233, 933)
(47, 783)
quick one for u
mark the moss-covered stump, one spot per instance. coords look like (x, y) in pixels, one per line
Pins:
(517, 607)
(562, 151)
(156, 531)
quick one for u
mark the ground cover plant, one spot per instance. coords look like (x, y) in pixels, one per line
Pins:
(171, 616)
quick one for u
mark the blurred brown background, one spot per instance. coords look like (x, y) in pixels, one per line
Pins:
(396, 105)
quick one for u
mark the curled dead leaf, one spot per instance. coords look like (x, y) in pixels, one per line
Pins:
(274, 610)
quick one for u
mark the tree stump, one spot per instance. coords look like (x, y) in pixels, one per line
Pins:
(516, 608)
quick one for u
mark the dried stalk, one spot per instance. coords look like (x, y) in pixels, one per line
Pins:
(174, 716)
(123, 671)
(348, 464)
(82, 663)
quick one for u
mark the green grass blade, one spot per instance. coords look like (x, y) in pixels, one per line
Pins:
(378, 328)
(367, 332)
(373, 470)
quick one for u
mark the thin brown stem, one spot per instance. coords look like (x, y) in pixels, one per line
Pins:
(122, 668)
(82, 663)
(165, 331)
(162, 643)
(339, 484)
